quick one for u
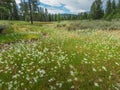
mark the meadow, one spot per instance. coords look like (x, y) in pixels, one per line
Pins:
(70, 55)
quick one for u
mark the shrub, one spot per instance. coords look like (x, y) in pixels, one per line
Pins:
(109, 17)
(6, 29)
(61, 25)
(2, 27)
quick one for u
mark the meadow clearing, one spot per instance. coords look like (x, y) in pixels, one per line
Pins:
(70, 55)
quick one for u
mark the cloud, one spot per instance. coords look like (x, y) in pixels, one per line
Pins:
(74, 6)
(66, 6)
(54, 11)
(51, 2)
(17, 1)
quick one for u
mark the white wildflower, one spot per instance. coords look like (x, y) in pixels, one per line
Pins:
(69, 80)
(94, 70)
(72, 87)
(59, 85)
(72, 73)
(96, 84)
(104, 68)
(117, 63)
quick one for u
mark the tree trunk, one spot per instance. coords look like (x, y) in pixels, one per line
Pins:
(31, 17)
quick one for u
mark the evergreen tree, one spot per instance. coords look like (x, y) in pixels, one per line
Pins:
(46, 14)
(6, 8)
(117, 11)
(24, 7)
(15, 11)
(108, 8)
(96, 10)
(118, 7)
(58, 18)
(113, 6)
(35, 10)
(31, 14)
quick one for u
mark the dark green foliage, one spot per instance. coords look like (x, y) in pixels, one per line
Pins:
(5, 8)
(30, 10)
(96, 10)
(24, 8)
(58, 18)
(112, 10)
(15, 11)
(108, 7)
(82, 16)
(118, 7)
(113, 5)
(8, 10)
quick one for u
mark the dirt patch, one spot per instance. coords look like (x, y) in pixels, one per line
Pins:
(4, 46)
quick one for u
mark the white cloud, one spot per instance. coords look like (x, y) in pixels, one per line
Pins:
(55, 11)
(17, 1)
(75, 6)
(51, 2)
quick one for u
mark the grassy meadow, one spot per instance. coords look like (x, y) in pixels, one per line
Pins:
(70, 55)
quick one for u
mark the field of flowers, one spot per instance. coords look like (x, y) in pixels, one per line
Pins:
(46, 57)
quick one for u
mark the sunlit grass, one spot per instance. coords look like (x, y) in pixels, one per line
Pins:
(58, 59)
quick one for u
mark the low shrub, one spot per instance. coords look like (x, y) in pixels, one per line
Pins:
(2, 27)
(76, 26)
(61, 25)
(6, 29)
(97, 25)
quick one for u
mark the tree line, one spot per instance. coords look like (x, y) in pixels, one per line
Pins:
(27, 10)
(8, 9)
(30, 10)
(110, 11)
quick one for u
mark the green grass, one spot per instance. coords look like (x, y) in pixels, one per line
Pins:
(54, 58)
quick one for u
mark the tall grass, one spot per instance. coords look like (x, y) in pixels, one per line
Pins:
(61, 60)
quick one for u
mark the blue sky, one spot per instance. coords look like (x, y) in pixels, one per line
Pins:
(55, 9)
(66, 6)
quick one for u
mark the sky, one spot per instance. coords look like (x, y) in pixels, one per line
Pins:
(65, 6)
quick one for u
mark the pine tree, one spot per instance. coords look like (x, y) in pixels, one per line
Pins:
(113, 5)
(46, 14)
(114, 8)
(5, 8)
(108, 8)
(24, 7)
(118, 7)
(58, 18)
(31, 14)
(15, 11)
(96, 10)
(35, 9)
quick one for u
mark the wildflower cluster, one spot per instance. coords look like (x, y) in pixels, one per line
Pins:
(34, 66)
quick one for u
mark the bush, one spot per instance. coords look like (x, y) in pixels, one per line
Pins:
(61, 25)
(2, 27)
(109, 17)
(6, 29)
